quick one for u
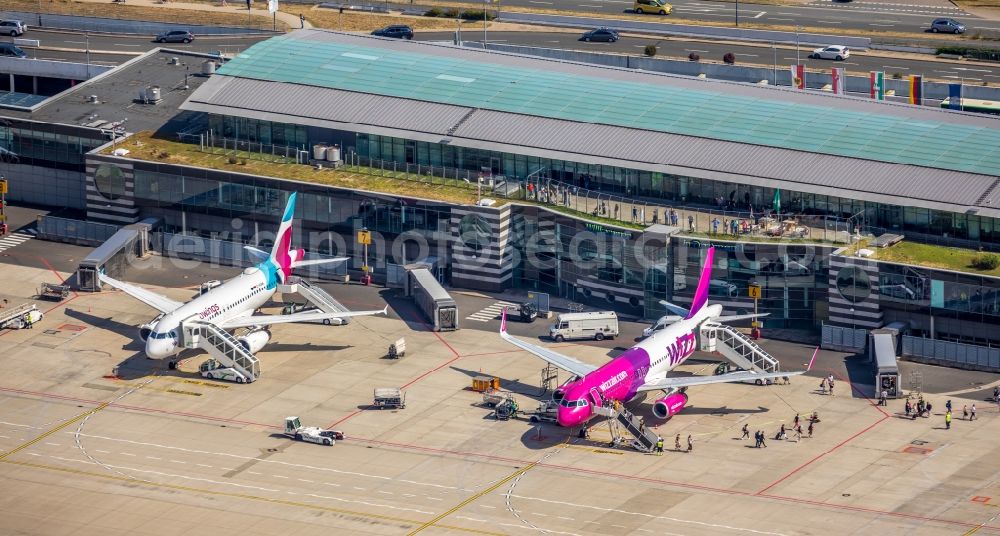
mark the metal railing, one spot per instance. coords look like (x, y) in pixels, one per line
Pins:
(745, 348)
(952, 353)
(228, 347)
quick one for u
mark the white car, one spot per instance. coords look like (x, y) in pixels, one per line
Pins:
(214, 370)
(832, 52)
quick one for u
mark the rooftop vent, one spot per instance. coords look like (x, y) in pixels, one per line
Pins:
(149, 95)
(92, 99)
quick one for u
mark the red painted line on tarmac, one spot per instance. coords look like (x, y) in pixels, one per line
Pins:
(837, 446)
(62, 280)
(433, 450)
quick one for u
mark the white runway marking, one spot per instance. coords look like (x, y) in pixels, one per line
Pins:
(490, 312)
(14, 239)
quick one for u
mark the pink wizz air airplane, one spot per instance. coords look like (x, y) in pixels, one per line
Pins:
(643, 367)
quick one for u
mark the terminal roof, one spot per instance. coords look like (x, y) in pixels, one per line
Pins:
(855, 148)
(117, 92)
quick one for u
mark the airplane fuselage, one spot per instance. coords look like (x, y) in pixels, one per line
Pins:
(619, 380)
(236, 298)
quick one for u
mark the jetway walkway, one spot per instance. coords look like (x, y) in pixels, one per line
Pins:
(739, 349)
(320, 299)
(222, 346)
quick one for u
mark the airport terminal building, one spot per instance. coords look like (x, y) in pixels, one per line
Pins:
(928, 174)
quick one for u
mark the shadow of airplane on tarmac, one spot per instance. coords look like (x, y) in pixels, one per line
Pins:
(110, 324)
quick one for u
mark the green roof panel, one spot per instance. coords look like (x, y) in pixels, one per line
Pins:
(767, 121)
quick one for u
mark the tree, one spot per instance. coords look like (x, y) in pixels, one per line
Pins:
(729, 58)
(693, 57)
(650, 50)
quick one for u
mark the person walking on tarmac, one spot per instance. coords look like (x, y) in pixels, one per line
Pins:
(746, 432)
(690, 443)
(677, 442)
(947, 420)
(659, 446)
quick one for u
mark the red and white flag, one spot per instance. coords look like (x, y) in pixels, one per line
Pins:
(799, 76)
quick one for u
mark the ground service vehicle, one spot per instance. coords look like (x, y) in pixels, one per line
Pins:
(214, 370)
(594, 325)
(389, 397)
(311, 434)
(652, 6)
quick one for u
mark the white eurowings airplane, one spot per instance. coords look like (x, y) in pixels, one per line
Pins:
(232, 304)
(643, 367)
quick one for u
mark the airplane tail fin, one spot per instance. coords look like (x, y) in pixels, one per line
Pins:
(701, 293)
(282, 254)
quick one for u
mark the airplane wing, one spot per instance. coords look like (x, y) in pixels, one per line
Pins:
(675, 383)
(312, 262)
(743, 375)
(267, 320)
(733, 318)
(152, 299)
(676, 309)
(564, 362)
(257, 254)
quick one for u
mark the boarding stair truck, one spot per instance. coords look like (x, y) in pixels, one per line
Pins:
(645, 438)
(317, 298)
(738, 348)
(593, 325)
(20, 317)
(226, 349)
(432, 299)
(389, 397)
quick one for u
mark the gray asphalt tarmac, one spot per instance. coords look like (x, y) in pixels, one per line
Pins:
(782, 57)
(911, 16)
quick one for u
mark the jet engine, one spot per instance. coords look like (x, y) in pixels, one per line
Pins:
(255, 340)
(669, 405)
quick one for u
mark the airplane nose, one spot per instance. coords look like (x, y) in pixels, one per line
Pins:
(158, 349)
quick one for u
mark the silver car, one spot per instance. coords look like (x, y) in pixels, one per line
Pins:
(947, 26)
(12, 28)
(175, 36)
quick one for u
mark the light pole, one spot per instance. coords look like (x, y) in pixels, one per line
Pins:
(87, 37)
(774, 65)
(737, 13)
(797, 60)
(485, 3)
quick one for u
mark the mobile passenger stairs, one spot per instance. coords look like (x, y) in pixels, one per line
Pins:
(222, 346)
(645, 438)
(318, 299)
(736, 347)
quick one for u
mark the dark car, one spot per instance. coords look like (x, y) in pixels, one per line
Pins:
(947, 26)
(399, 31)
(8, 49)
(601, 34)
(175, 36)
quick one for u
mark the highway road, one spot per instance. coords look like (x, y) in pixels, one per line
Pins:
(909, 16)
(126, 47)
(761, 55)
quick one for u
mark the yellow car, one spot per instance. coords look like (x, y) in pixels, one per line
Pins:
(652, 6)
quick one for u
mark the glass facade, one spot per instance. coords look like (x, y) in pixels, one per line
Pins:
(793, 279)
(46, 145)
(682, 190)
(957, 301)
(601, 266)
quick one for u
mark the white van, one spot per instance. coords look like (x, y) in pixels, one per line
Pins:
(598, 326)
